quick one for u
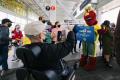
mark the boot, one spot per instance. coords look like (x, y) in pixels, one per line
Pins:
(108, 65)
(83, 60)
(91, 65)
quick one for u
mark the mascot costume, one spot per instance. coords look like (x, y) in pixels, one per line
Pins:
(88, 58)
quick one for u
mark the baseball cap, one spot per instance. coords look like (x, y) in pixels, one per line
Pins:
(34, 28)
(6, 20)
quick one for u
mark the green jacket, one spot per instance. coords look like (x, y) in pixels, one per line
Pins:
(48, 38)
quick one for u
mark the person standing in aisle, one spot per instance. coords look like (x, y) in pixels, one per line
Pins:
(106, 42)
(75, 44)
(55, 31)
(4, 42)
(16, 38)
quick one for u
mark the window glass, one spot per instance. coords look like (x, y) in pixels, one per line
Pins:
(111, 15)
(2, 15)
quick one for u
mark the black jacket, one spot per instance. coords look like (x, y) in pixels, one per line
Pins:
(50, 54)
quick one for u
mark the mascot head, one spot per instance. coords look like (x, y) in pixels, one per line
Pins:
(90, 16)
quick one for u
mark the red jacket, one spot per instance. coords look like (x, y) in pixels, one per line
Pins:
(17, 35)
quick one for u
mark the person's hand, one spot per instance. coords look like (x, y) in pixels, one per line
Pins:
(42, 36)
(17, 39)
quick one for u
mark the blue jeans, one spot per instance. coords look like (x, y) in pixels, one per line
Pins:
(4, 56)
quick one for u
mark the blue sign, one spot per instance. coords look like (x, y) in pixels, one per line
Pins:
(85, 33)
(84, 4)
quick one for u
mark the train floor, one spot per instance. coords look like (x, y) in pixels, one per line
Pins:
(101, 73)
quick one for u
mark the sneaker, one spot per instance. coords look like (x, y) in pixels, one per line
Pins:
(15, 60)
(76, 52)
(72, 52)
(109, 65)
(5, 72)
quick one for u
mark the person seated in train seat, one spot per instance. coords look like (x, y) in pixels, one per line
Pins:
(50, 54)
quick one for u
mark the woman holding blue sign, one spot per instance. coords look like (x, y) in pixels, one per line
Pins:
(88, 58)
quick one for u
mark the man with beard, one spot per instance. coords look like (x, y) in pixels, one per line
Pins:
(4, 42)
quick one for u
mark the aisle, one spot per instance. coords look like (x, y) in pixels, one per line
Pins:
(101, 73)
